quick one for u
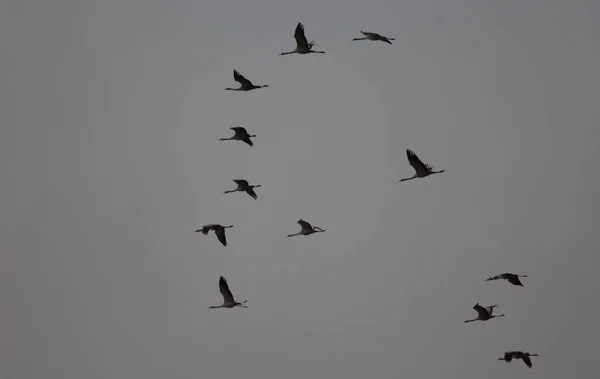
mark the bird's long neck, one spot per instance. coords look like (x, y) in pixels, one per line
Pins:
(317, 52)
(475, 319)
(359, 39)
(391, 39)
(230, 191)
(225, 139)
(288, 52)
(405, 179)
(215, 306)
(522, 276)
(232, 89)
(256, 186)
(502, 315)
(291, 235)
(229, 226)
(437, 172)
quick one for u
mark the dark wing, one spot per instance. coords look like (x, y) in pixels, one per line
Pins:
(416, 163)
(527, 360)
(241, 182)
(490, 309)
(300, 37)
(248, 140)
(240, 79)
(306, 227)
(514, 280)
(481, 311)
(371, 35)
(239, 130)
(508, 356)
(220, 232)
(250, 191)
(224, 288)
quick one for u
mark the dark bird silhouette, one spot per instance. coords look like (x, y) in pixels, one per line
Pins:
(512, 278)
(243, 186)
(484, 314)
(306, 229)
(245, 84)
(374, 37)
(228, 300)
(240, 134)
(219, 231)
(510, 355)
(421, 169)
(302, 44)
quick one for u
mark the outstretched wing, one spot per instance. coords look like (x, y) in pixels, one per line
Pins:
(416, 163)
(371, 35)
(250, 191)
(301, 41)
(490, 309)
(248, 140)
(241, 182)
(527, 360)
(514, 280)
(241, 79)
(220, 232)
(239, 130)
(481, 311)
(306, 227)
(224, 289)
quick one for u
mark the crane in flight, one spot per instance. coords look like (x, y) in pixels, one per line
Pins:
(512, 278)
(510, 355)
(219, 231)
(243, 186)
(484, 314)
(245, 84)
(374, 37)
(421, 169)
(302, 44)
(228, 300)
(240, 134)
(306, 229)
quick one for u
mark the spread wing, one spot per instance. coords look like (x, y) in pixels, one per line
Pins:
(508, 356)
(239, 130)
(306, 227)
(301, 41)
(224, 289)
(241, 79)
(220, 232)
(481, 311)
(250, 191)
(371, 35)
(241, 182)
(514, 280)
(248, 140)
(416, 163)
(527, 360)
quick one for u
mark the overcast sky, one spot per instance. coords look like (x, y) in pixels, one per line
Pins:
(111, 111)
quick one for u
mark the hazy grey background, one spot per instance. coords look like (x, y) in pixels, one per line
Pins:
(111, 111)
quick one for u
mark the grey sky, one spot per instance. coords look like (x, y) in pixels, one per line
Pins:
(111, 111)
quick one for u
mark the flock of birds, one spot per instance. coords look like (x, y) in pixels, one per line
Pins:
(422, 170)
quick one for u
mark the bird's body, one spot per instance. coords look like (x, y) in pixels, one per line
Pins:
(245, 84)
(510, 355)
(219, 231)
(243, 186)
(484, 313)
(228, 300)
(302, 44)
(240, 134)
(421, 169)
(306, 229)
(374, 37)
(512, 278)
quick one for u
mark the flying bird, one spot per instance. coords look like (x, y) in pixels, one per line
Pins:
(245, 84)
(306, 229)
(484, 314)
(219, 231)
(421, 169)
(510, 355)
(374, 37)
(512, 278)
(302, 44)
(240, 134)
(243, 186)
(228, 300)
